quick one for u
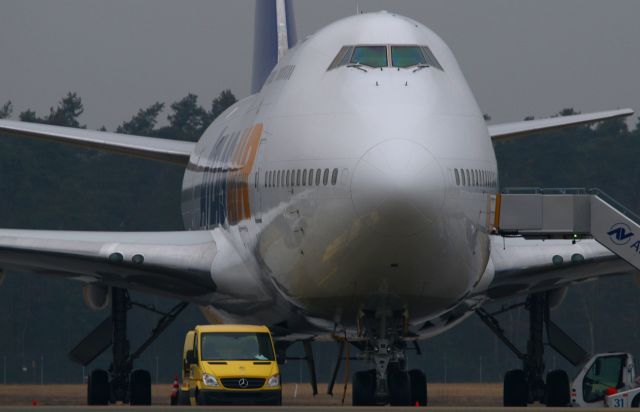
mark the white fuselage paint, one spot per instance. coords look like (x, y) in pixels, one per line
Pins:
(396, 231)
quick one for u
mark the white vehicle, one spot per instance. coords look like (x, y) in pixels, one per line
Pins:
(351, 196)
(607, 380)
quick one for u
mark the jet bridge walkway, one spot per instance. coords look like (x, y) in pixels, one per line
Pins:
(569, 214)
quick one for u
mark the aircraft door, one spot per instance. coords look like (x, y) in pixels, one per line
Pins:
(260, 180)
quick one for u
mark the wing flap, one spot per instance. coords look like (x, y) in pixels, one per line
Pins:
(506, 131)
(165, 150)
(170, 263)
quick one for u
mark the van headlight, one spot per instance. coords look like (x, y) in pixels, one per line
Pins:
(274, 381)
(210, 380)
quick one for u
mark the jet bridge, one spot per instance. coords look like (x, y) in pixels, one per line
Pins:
(569, 214)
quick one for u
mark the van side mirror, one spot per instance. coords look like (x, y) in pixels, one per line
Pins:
(191, 357)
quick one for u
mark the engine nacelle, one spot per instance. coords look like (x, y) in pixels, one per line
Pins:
(556, 297)
(96, 297)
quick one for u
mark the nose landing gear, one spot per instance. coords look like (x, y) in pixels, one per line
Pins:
(389, 382)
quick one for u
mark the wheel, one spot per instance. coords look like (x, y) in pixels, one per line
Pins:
(399, 388)
(364, 388)
(183, 398)
(515, 389)
(557, 391)
(418, 387)
(140, 387)
(98, 388)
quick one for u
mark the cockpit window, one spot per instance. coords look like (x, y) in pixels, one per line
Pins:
(402, 56)
(372, 56)
(407, 56)
(431, 59)
(342, 58)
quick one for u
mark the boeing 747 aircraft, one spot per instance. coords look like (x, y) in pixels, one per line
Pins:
(351, 197)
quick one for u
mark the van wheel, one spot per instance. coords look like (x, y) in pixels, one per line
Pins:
(200, 399)
(140, 387)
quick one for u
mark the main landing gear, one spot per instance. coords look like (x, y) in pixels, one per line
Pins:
(384, 347)
(528, 385)
(121, 383)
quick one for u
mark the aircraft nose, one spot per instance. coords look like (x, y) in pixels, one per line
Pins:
(399, 185)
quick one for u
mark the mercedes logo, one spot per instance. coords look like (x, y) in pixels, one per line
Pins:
(243, 383)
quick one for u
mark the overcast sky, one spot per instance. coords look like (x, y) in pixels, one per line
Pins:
(521, 57)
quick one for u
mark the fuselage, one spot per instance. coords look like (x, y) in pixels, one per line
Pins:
(350, 188)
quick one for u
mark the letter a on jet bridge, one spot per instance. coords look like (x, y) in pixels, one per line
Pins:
(573, 214)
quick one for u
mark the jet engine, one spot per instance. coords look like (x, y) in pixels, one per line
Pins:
(96, 297)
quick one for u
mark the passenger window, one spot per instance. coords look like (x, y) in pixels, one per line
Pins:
(304, 177)
(325, 179)
(334, 177)
(318, 174)
(298, 177)
(457, 177)
(407, 56)
(372, 56)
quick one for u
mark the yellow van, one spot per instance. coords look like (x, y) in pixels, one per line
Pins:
(230, 364)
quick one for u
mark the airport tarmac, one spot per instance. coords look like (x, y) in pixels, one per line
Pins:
(467, 397)
(293, 394)
(279, 408)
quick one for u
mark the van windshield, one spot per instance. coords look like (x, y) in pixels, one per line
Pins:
(236, 346)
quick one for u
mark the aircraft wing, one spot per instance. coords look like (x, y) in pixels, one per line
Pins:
(177, 264)
(526, 266)
(506, 131)
(166, 150)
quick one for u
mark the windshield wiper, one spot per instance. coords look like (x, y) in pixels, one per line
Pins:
(357, 66)
(420, 67)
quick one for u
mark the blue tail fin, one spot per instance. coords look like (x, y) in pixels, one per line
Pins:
(275, 32)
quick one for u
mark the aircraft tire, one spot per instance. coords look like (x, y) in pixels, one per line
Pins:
(140, 387)
(399, 388)
(364, 388)
(558, 389)
(515, 389)
(98, 388)
(418, 387)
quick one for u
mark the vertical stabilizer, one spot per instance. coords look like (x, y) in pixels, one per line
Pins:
(274, 34)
